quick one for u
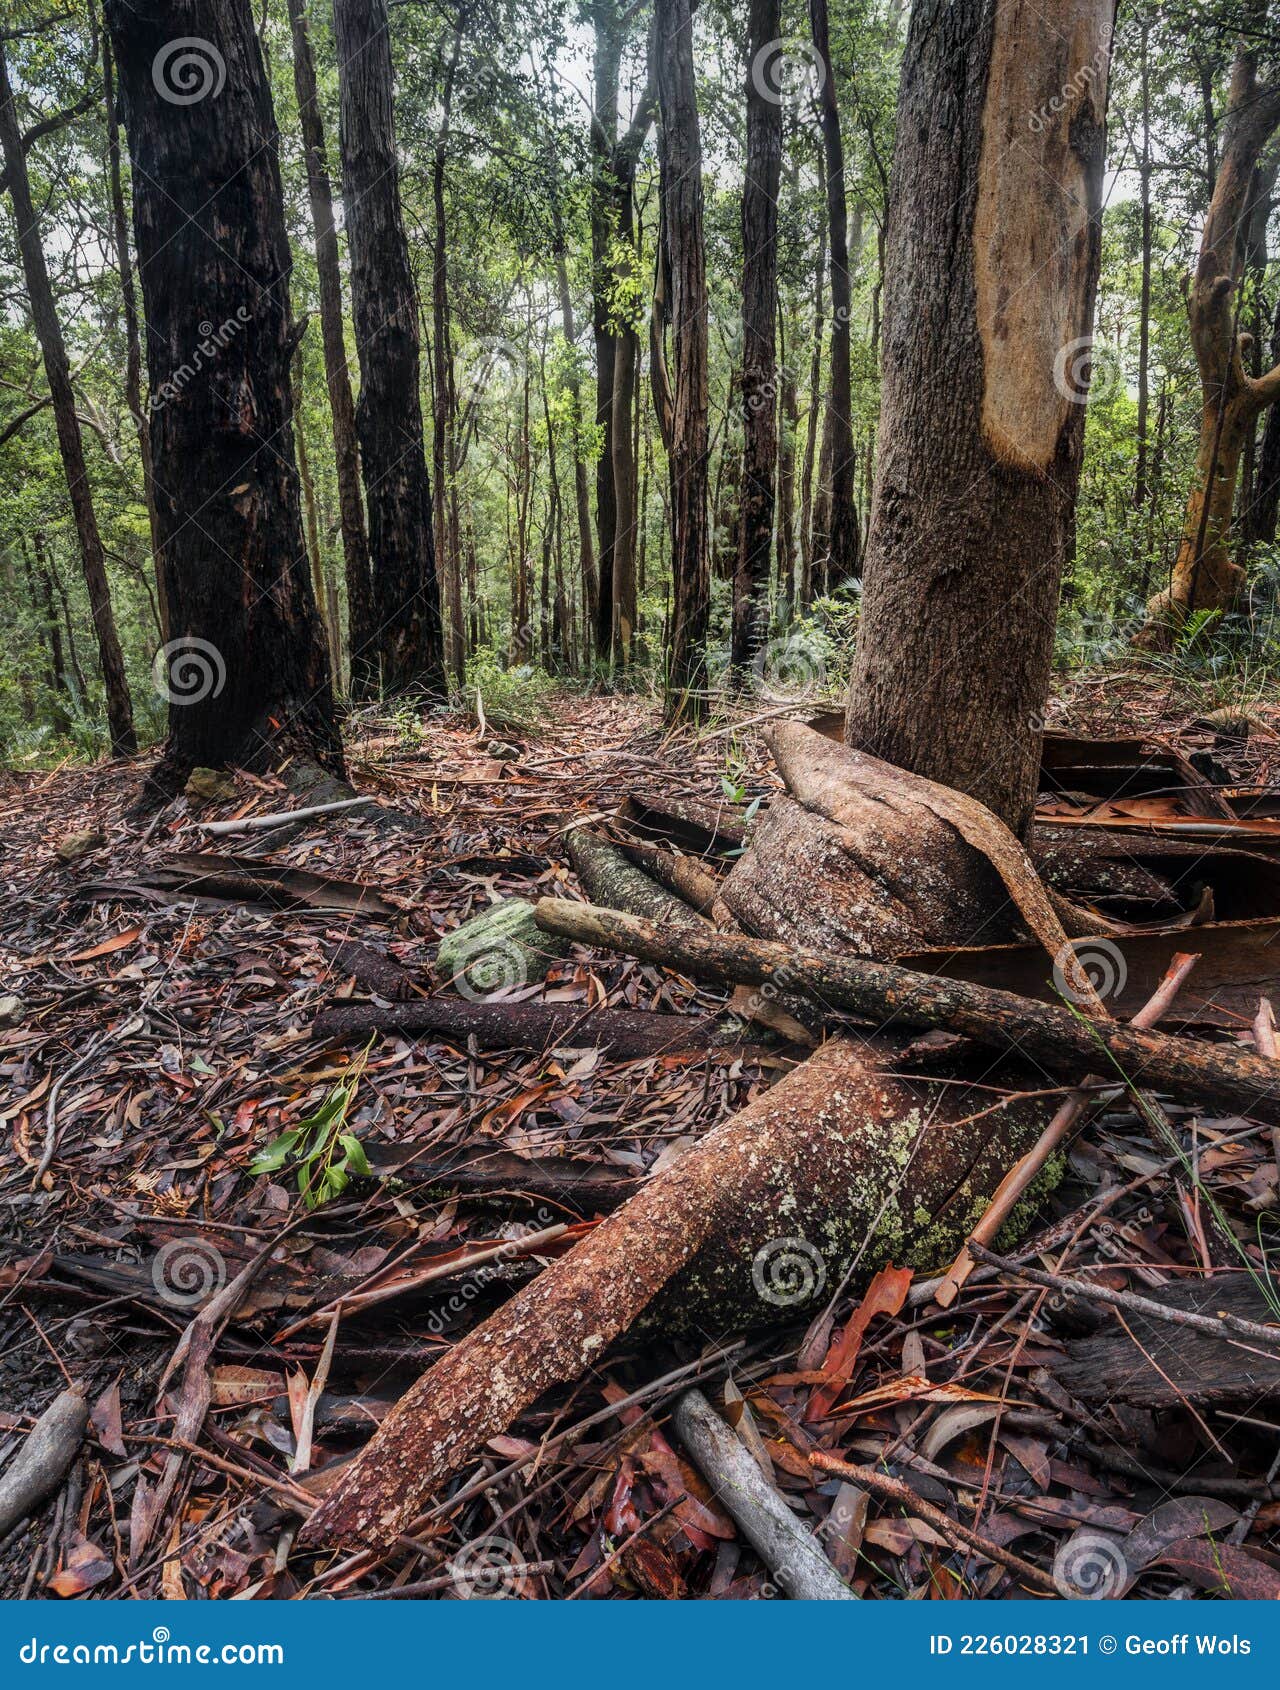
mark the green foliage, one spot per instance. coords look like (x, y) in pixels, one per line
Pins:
(516, 698)
(320, 1150)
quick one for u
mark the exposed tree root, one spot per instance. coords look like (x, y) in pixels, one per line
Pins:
(836, 1164)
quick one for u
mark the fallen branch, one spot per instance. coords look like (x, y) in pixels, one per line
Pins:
(1224, 1325)
(791, 1552)
(610, 878)
(896, 1491)
(41, 1464)
(281, 818)
(1218, 1075)
(627, 1033)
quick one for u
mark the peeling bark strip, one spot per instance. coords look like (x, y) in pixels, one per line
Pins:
(1039, 179)
(750, 1226)
(245, 668)
(992, 225)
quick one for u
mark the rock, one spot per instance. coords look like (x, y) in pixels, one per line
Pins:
(77, 845)
(12, 1009)
(500, 947)
(212, 786)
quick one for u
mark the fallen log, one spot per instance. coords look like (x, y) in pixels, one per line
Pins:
(607, 877)
(680, 874)
(588, 1186)
(626, 1033)
(41, 1464)
(1192, 1070)
(836, 1164)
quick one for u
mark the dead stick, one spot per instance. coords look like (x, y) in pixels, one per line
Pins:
(1223, 1325)
(247, 824)
(41, 1464)
(902, 1493)
(1060, 1039)
(791, 1553)
(1020, 1176)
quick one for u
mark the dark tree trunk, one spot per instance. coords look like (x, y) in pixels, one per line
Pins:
(842, 550)
(612, 189)
(1144, 295)
(245, 668)
(759, 358)
(361, 626)
(132, 336)
(444, 436)
(406, 594)
(982, 423)
(680, 164)
(807, 539)
(1261, 516)
(58, 374)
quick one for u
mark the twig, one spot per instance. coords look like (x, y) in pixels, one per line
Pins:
(902, 1493)
(1223, 1325)
(1020, 1176)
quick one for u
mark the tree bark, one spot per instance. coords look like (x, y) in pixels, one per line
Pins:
(841, 562)
(132, 336)
(406, 593)
(680, 166)
(759, 351)
(245, 669)
(361, 627)
(1205, 575)
(53, 350)
(982, 426)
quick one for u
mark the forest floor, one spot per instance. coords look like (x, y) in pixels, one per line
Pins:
(161, 1040)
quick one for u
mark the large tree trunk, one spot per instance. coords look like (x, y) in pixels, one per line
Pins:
(247, 674)
(982, 414)
(58, 374)
(680, 164)
(406, 593)
(841, 562)
(612, 220)
(759, 357)
(355, 543)
(132, 335)
(444, 437)
(1205, 576)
